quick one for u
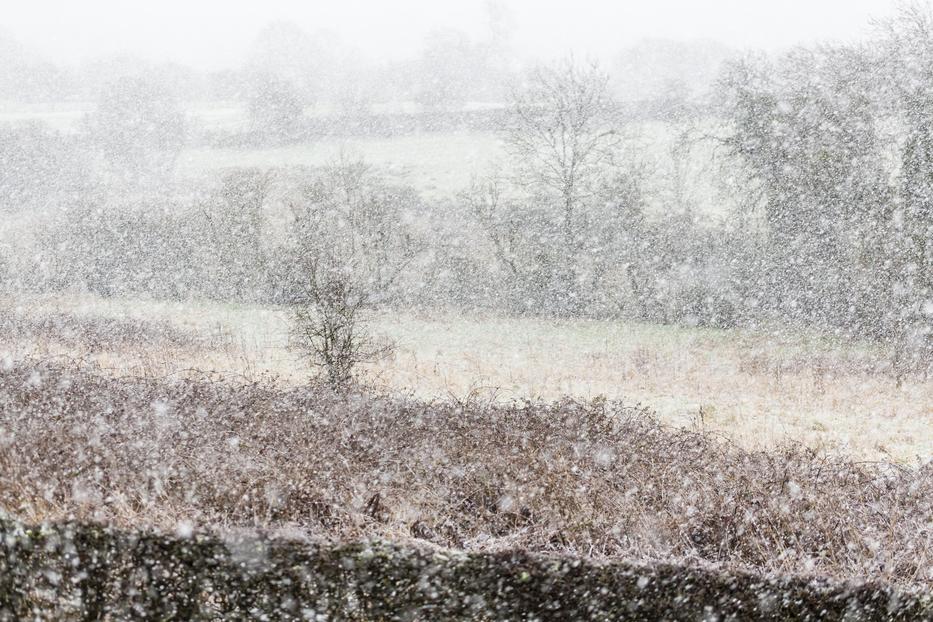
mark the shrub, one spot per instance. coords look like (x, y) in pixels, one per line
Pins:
(351, 244)
(595, 478)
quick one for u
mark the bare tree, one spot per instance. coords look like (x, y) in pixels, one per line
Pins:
(236, 221)
(907, 56)
(562, 141)
(806, 143)
(39, 164)
(352, 245)
(276, 108)
(139, 126)
(562, 135)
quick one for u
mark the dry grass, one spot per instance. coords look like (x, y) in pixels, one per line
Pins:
(94, 333)
(596, 479)
(760, 389)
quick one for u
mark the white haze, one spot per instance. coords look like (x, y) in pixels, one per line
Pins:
(214, 34)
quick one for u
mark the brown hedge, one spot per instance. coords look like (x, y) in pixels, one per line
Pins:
(595, 479)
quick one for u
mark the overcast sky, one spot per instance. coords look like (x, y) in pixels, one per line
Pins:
(215, 33)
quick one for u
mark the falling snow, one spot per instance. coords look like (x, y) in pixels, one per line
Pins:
(504, 315)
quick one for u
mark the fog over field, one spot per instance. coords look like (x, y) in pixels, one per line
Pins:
(473, 310)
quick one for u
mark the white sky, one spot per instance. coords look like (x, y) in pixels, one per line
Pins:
(216, 33)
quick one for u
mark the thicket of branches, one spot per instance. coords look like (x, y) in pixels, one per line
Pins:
(596, 479)
(351, 242)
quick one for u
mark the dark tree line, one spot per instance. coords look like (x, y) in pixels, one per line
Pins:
(833, 147)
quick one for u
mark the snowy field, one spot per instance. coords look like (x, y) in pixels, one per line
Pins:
(759, 390)
(438, 164)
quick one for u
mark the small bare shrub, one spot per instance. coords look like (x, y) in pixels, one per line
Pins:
(352, 244)
(332, 331)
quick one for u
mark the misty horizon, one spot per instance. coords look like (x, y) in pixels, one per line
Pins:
(213, 36)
